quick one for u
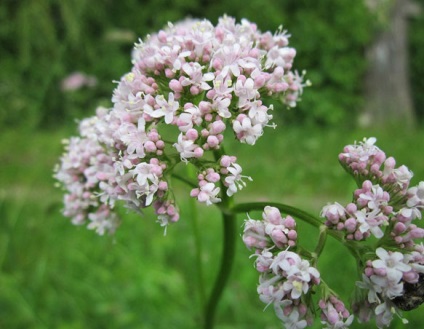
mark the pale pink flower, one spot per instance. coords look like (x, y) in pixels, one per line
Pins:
(246, 131)
(392, 263)
(208, 194)
(166, 108)
(416, 196)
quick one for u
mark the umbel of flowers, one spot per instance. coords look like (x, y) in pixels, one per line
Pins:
(379, 229)
(189, 82)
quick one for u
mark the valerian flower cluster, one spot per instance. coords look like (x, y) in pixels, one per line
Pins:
(378, 226)
(189, 82)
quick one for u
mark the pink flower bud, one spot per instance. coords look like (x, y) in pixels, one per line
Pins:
(192, 134)
(198, 152)
(175, 86)
(213, 177)
(217, 127)
(194, 192)
(149, 146)
(163, 185)
(213, 141)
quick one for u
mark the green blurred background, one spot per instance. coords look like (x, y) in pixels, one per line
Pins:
(55, 275)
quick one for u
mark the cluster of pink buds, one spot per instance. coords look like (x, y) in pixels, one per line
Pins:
(364, 160)
(273, 230)
(189, 82)
(384, 207)
(285, 278)
(334, 314)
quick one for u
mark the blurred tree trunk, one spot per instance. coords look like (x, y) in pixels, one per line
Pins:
(388, 98)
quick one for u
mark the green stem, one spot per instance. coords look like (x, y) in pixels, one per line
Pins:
(198, 250)
(304, 216)
(321, 242)
(227, 260)
(228, 252)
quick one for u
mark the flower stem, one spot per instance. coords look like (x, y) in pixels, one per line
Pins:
(304, 216)
(227, 259)
(228, 253)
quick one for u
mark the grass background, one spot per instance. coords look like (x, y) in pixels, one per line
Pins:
(55, 275)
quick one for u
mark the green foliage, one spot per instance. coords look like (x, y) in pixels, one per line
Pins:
(43, 41)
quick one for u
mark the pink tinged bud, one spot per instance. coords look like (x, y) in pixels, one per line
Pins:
(208, 117)
(211, 94)
(203, 183)
(160, 145)
(188, 106)
(192, 134)
(380, 271)
(171, 211)
(175, 218)
(292, 235)
(213, 141)
(387, 210)
(398, 239)
(217, 64)
(194, 90)
(272, 215)
(194, 192)
(289, 222)
(351, 208)
(163, 186)
(350, 225)
(242, 78)
(153, 136)
(399, 228)
(202, 197)
(162, 36)
(198, 152)
(205, 107)
(380, 157)
(204, 133)
(175, 86)
(417, 233)
(259, 81)
(161, 210)
(332, 315)
(217, 127)
(280, 87)
(149, 146)
(369, 271)
(411, 277)
(375, 169)
(213, 177)
(279, 238)
(226, 161)
(358, 235)
(340, 226)
(169, 73)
